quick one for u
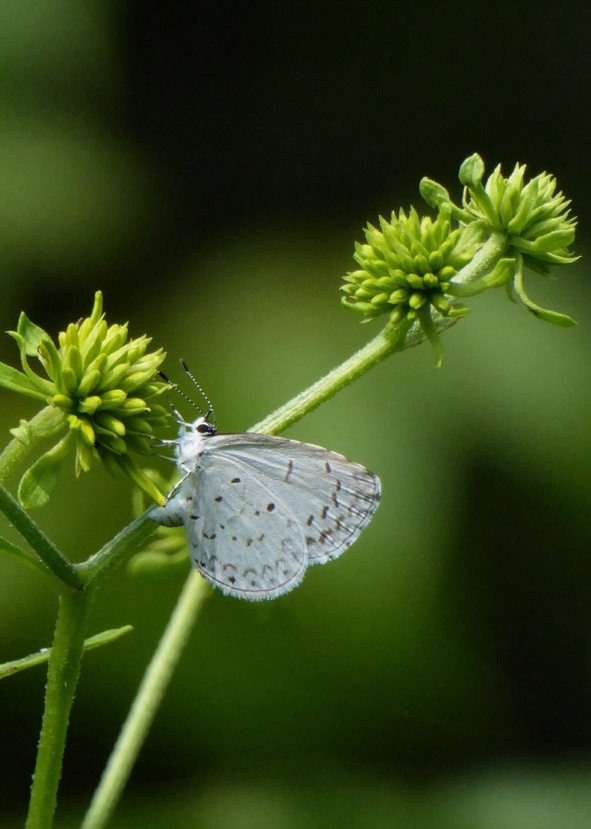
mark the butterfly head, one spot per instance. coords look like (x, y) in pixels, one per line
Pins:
(190, 441)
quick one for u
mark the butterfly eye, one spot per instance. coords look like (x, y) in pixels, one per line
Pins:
(205, 429)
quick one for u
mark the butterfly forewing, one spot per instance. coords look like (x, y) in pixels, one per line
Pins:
(329, 496)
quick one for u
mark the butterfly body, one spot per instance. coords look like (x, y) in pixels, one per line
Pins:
(259, 509)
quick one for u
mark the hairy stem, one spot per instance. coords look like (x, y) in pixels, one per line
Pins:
(485, 260)
(147, 700)
(391, 338)
(62, 677)
(117, 549)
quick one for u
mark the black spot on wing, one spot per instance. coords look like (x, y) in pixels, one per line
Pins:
(337, 489)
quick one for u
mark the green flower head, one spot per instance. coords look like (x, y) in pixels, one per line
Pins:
(407, 266)
(530, 219)
(418, 269)
(535, 218)
(104, 388)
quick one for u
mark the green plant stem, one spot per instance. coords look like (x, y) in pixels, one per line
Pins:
(390, 339)
(62, 677)
(485, 260)
(117, 549)
(147, 700)
(47, 422)
(41, 544)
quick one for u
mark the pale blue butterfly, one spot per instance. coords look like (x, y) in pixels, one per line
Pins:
(258, 509)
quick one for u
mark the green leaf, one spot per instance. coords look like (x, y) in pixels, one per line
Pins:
(40, 480)
(30, 338)
(125, 464)
(28, 335)
(426, 321)
(14, 380)
(104, 638)
(562, 320)
(51, 360)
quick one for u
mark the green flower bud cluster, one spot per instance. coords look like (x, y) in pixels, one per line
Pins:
(106, 387)
(535, 218)
(407, 266)
(417, 268)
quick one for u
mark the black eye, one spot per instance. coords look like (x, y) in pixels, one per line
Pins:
(206, 429)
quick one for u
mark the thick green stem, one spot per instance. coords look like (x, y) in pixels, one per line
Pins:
(485, 260)
(145, 706)
(43, 547)
(118, 549)
(392, 338)
(62, 677)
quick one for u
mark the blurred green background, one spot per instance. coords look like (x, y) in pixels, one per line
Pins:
(208, 166)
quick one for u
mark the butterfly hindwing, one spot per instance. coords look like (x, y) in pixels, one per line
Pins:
(242, 537)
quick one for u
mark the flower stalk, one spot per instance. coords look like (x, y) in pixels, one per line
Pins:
(62, 677)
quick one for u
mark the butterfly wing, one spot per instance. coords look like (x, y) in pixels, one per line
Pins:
(329, 497)
(242, 536)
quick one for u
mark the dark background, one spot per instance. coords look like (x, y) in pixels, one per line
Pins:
(209, 166)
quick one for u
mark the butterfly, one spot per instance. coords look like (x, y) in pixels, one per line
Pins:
(259, 509)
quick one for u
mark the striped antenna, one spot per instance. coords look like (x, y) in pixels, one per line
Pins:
(210, 416)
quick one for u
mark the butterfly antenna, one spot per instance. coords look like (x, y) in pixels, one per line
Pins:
(210, 416)
(178, 417)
